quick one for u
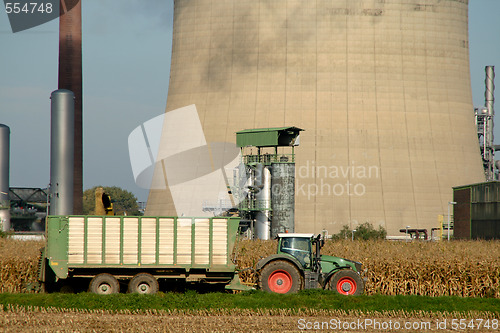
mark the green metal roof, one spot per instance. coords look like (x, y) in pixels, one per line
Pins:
(268, 137)
(269, 129)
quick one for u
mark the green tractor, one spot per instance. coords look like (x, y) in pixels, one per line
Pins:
(296, 266)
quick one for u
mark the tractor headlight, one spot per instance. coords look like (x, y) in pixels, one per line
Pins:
(358, 266)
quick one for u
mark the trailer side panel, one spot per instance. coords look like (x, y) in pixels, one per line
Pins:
(76, 242)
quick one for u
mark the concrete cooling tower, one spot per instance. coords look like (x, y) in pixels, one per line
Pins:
(380, 87)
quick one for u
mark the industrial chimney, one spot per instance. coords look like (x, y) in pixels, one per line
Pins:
(489, 94)
(70, 78)
(62, 137)
(4, 177)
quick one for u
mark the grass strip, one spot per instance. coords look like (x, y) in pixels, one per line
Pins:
(254, 300)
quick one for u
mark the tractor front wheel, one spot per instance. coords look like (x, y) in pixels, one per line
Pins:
(280, 277)
(346, 282)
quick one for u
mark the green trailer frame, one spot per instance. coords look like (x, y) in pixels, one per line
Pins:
(197, 249)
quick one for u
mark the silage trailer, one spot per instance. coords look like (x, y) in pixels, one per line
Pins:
(136, 251)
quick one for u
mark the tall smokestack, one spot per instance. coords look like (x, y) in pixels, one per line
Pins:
(4, 177)
(61, 152)
(70, 78)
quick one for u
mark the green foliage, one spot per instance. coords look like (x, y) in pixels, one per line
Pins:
(306, 299)
(124, 202)
(364, 231)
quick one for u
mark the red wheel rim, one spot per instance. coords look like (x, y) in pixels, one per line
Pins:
(346, 286)
(280, 282)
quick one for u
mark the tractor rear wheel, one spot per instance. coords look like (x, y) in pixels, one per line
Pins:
(280, 277)
(346, 282)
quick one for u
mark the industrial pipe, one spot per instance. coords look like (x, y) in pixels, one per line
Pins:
(4, 177)
(61, 152)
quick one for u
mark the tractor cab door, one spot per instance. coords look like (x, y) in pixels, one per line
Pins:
(299, 247)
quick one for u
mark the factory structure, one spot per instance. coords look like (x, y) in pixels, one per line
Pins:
(477, 211)
(378, 92)
(381, 89)
(265, 180)
(484, 117)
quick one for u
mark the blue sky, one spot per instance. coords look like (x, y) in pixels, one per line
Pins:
(126, 62)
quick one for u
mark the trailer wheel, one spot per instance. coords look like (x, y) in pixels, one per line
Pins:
(346, 282)
(280, 277)
(104, 284)
(143, 283)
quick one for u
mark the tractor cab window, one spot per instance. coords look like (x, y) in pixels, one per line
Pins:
(298, 247)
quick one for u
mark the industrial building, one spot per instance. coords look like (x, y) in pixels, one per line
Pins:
(381, 89)
(477, 211)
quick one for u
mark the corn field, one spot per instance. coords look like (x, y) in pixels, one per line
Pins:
(459, 268)
(18, 264)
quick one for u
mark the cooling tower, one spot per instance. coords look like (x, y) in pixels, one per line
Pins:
(381, 88)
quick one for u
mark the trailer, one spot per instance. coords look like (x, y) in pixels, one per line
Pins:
(133, 253)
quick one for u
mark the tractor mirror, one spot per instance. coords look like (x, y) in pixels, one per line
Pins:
(319, 240)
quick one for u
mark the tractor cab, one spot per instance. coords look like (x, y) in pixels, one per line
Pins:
(304, 247)
(297, 245)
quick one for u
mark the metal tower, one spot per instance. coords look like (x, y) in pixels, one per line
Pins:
(484, 123)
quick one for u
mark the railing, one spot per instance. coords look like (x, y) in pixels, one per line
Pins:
(218, 206)
(248, 204)
(269, 158)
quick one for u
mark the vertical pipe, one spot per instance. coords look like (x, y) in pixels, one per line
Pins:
(489, 94)
(489, 101)
(263, 201)
(283, 198)
(62, 152)
(4, 177)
